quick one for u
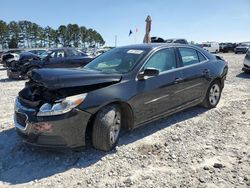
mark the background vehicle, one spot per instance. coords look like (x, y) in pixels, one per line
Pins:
(14, 67)
(177, 40)
(212, 47)
(246, 64)
(55, 58)
(10, 55)
(242, 48)
(121, 89)
(157, 40)
(227, 47)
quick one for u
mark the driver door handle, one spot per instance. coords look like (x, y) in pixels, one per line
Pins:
(178, 80)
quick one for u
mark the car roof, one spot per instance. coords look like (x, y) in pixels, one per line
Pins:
(155, 45)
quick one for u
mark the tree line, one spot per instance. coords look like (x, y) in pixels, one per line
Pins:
(26, 34)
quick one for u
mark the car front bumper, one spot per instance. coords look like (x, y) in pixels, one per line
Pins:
(60, 132)
(241, 50)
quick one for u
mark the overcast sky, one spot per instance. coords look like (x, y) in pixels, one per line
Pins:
(195, 20)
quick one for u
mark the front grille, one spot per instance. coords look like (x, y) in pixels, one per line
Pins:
(21, 119)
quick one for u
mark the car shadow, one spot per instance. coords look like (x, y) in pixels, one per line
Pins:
(10, 80)
(3, 68)
(21, 164)
(243, 75)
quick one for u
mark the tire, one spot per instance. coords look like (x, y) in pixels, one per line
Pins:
(213, 95)
(107, 127)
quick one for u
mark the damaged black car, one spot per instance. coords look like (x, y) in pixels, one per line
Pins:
(54, 58)
(120, 90)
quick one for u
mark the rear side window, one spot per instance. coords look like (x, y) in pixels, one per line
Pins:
(162, 60)
(189, 56)
(201, 57)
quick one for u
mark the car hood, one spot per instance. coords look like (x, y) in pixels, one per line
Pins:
(242, 47)
(63, 78)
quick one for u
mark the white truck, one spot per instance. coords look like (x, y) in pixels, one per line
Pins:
(212, 47)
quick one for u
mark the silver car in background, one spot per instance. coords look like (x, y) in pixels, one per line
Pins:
(246, 64)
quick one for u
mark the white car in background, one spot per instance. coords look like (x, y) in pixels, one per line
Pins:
(246, 64)
(212, 47)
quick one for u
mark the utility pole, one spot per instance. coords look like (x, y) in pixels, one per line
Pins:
(115, 40)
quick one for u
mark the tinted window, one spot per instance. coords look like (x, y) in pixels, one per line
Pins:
(57, 54)
(201, 57)
(73, 53)
(189, 56)
(162, 60)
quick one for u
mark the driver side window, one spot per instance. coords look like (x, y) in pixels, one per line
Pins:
(162, 60)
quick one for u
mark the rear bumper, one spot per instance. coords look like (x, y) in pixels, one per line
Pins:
(60, 132)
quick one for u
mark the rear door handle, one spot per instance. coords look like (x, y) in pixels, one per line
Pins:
(178, 80)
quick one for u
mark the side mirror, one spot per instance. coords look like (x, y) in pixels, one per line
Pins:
(147, 73)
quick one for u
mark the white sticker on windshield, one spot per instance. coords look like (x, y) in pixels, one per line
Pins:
(135, 51)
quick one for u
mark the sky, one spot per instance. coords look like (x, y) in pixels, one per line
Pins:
(195, 20)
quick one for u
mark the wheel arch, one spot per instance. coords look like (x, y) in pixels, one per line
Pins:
(127, 116)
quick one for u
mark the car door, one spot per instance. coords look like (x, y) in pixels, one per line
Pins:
(56, 59)
(155, 93)
(196, 75)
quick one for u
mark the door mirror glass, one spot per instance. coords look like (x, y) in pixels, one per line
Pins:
(148, 73)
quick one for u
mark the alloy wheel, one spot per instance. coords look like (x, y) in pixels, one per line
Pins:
(115, 127)
(214, 94)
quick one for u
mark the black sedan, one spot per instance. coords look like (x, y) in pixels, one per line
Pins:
(242, 48)
(121, 89)
(56, 58)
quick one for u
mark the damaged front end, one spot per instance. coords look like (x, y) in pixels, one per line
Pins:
(46, 115)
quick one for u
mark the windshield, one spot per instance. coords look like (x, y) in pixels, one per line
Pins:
(118, 60)
(45, 54)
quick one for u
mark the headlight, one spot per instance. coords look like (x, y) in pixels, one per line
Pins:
(61, 106)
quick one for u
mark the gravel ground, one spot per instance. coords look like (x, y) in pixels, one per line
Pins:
(194, 148)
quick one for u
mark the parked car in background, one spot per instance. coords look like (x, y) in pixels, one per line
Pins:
(55, 58)
(246, 64)
(242, 48)
(212, 47)
(100, 51)
(122, 89)
(14, 67)
(10, 55)
(227, 47)
(177, 40)
(157, 40)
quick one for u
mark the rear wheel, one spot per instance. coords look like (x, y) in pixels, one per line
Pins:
(213, 95)
(106, 128)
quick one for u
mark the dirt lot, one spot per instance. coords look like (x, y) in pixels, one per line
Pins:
(194, 148)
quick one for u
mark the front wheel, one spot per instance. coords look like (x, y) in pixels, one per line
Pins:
(106, 128)
(213, 95)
